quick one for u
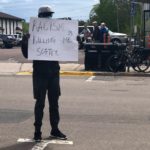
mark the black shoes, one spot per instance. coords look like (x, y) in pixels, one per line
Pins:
(57, 134)
(37, 136)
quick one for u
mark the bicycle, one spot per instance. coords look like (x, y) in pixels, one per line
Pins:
(124, 57)
(144, 63)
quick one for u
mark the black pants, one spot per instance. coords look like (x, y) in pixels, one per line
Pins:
(50, 87)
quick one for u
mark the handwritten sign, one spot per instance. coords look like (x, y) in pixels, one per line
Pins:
(53, 39)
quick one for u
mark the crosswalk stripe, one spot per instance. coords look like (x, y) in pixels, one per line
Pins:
(52, 141)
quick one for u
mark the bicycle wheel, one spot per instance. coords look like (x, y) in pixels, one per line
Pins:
(114, 63)
(144, 65)
(135, 61)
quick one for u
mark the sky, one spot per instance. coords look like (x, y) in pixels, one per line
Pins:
(76, 9)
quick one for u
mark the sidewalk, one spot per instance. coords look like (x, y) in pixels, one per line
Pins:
(66, 69)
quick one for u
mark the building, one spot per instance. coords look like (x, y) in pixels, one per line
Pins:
(10, 24)
(145, 7)
(146, 19)
(144, 1)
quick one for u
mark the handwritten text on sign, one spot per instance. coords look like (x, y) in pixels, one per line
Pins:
(53, 39)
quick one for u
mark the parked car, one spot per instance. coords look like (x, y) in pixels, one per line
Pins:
(7, 40)
(80, 37)
(10, 36)
(18, 38)
(116, 37)
(80, 29)
(1, 43)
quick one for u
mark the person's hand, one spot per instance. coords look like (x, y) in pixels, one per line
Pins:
(26, 36)
(78, 38)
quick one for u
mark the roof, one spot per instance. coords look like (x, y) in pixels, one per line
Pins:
(7, 16)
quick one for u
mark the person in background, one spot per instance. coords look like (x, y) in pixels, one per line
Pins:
(45, 82)
(103, 33)
(96, 32)
(86, 32)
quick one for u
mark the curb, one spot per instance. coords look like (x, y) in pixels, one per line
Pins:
(63, 73)
(128, 74)
(90, 73)
(24, 73)
(76, 73)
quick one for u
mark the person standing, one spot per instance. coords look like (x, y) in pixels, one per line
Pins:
(46, 81)
(96, 32)
(103, 33)
(86, 32)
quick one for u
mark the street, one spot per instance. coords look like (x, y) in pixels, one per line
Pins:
(97, 113)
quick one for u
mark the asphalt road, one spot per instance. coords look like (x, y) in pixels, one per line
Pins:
(97, 113)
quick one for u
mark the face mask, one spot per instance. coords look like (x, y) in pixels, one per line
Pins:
(49, 16)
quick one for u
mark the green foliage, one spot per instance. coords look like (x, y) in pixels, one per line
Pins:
(82, 22)
(25, 27)
(116, 14)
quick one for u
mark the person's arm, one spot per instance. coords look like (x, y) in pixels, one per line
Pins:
(24, 45)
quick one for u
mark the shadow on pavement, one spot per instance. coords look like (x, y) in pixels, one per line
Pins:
(20, 146)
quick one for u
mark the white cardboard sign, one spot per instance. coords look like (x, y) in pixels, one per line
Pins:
(53, 39)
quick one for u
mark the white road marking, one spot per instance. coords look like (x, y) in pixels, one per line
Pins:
(12, 60)
(41, 145)
(53, 141)
(90, 79)
(21, 140)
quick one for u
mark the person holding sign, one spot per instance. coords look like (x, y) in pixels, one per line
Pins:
(45, 82)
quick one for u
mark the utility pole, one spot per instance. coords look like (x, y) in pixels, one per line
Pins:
(132, 14)
(117, 17)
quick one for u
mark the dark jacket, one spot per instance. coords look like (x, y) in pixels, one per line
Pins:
(96, 34)
(40, 68)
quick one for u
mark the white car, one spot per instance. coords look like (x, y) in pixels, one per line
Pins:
(116, 37)
(18, 38)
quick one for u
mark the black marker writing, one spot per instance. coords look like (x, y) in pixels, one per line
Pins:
(47, 26)
(39, 40)
(70, 33)
(66, 40)
(34, 25)
(46, 51)
(56, 27)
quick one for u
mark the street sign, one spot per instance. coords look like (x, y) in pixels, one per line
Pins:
(132, 10)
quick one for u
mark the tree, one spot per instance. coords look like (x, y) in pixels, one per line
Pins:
(104, 12)
(82, 22)
(25, 27)
(123, 10)
(115, 13)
